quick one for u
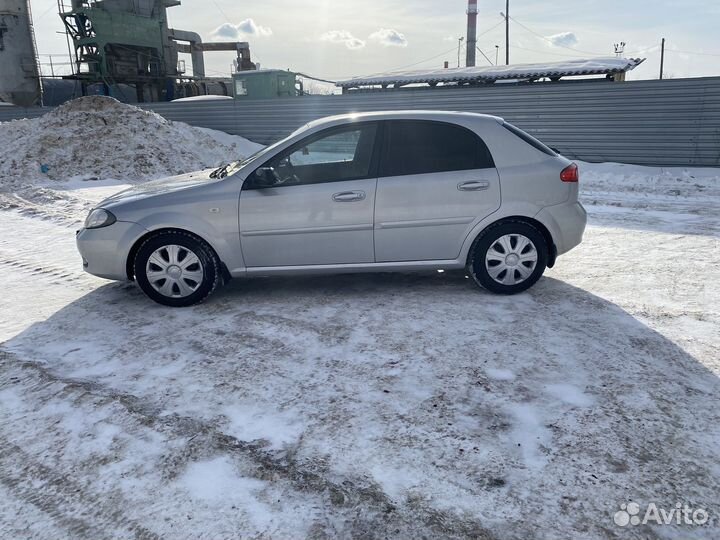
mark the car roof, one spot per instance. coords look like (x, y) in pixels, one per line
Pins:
(444, 116)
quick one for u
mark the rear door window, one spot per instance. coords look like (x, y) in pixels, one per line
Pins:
(421, 147)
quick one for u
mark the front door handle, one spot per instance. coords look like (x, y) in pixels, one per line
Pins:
(349, 196)
(473, 185)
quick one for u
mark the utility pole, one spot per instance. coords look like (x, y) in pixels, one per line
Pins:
(497, 52)
(460, 40)
(662, 57)
(507, 32)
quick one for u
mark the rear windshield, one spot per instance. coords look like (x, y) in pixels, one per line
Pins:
(532, 141)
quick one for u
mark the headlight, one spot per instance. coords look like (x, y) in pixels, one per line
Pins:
(99, 218)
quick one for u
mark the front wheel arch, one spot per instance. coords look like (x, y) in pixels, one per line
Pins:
(130, 262)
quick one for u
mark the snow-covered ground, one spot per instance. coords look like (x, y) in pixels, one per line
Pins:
(371, 406)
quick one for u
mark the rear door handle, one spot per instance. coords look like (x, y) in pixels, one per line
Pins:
(349, 196)
(473, 185)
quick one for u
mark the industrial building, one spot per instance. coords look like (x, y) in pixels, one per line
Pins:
(266, 83)
(128, 42)
(19, 72)
(122, 48)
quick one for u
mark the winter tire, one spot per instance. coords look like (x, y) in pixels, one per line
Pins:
(508, 257)
(176, 269)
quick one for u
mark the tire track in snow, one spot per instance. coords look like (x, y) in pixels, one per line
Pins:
(36, 269)
(27, 208)
(368, 511)
(62, 498)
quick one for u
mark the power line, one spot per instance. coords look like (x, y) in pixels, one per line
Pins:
(551, 41)
(485, 55)
(48, 10)
(551, 53)
(315, 78)
(691, 52)
(488, 30)
(227, 19)
(493, 27)
(640, 51)
(415, 63)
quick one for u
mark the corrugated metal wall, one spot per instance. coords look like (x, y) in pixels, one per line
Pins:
(669, 122)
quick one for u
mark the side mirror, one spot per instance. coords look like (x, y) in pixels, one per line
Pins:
(265, 177)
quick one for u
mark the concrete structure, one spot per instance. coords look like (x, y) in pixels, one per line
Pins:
(19, 71)
(471, 39)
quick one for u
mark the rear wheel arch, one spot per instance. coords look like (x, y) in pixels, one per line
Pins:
(552, 249)
(130, 262)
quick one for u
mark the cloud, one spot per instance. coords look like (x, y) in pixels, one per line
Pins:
(248, 27)
(344, 37)
(389, 37)
(563, 39)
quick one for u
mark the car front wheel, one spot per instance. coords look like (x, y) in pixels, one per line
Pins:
(176, 269)
(509, 257)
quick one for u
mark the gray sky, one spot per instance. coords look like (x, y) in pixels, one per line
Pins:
(335, 39)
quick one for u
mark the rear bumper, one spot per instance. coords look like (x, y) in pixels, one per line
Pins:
(566, 223)
(105, 251)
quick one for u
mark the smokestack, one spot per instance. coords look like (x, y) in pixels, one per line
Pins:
(472, 13)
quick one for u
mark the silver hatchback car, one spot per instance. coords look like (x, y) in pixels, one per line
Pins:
(381, 191)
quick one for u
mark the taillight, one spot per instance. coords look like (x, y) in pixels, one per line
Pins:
(570, 173)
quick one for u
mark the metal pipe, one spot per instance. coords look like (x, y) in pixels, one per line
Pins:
(196, 51)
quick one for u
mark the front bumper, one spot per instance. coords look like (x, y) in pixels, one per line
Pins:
(566, 223)
(105, 250)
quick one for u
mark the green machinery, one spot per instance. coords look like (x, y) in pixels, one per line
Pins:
(266, 83)
(128, 42)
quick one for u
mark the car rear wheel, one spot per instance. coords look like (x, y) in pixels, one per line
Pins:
(509, 257)
(176, 269)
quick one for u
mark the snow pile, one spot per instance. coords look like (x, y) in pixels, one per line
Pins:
(637, 180)
(99, 137)
(679, 199)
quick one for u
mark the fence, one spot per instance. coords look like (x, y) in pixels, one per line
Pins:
(668, 122)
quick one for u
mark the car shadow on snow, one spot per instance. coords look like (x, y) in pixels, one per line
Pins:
(553, 403)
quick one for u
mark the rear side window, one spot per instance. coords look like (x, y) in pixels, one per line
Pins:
(532, 141)
(419, 147)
